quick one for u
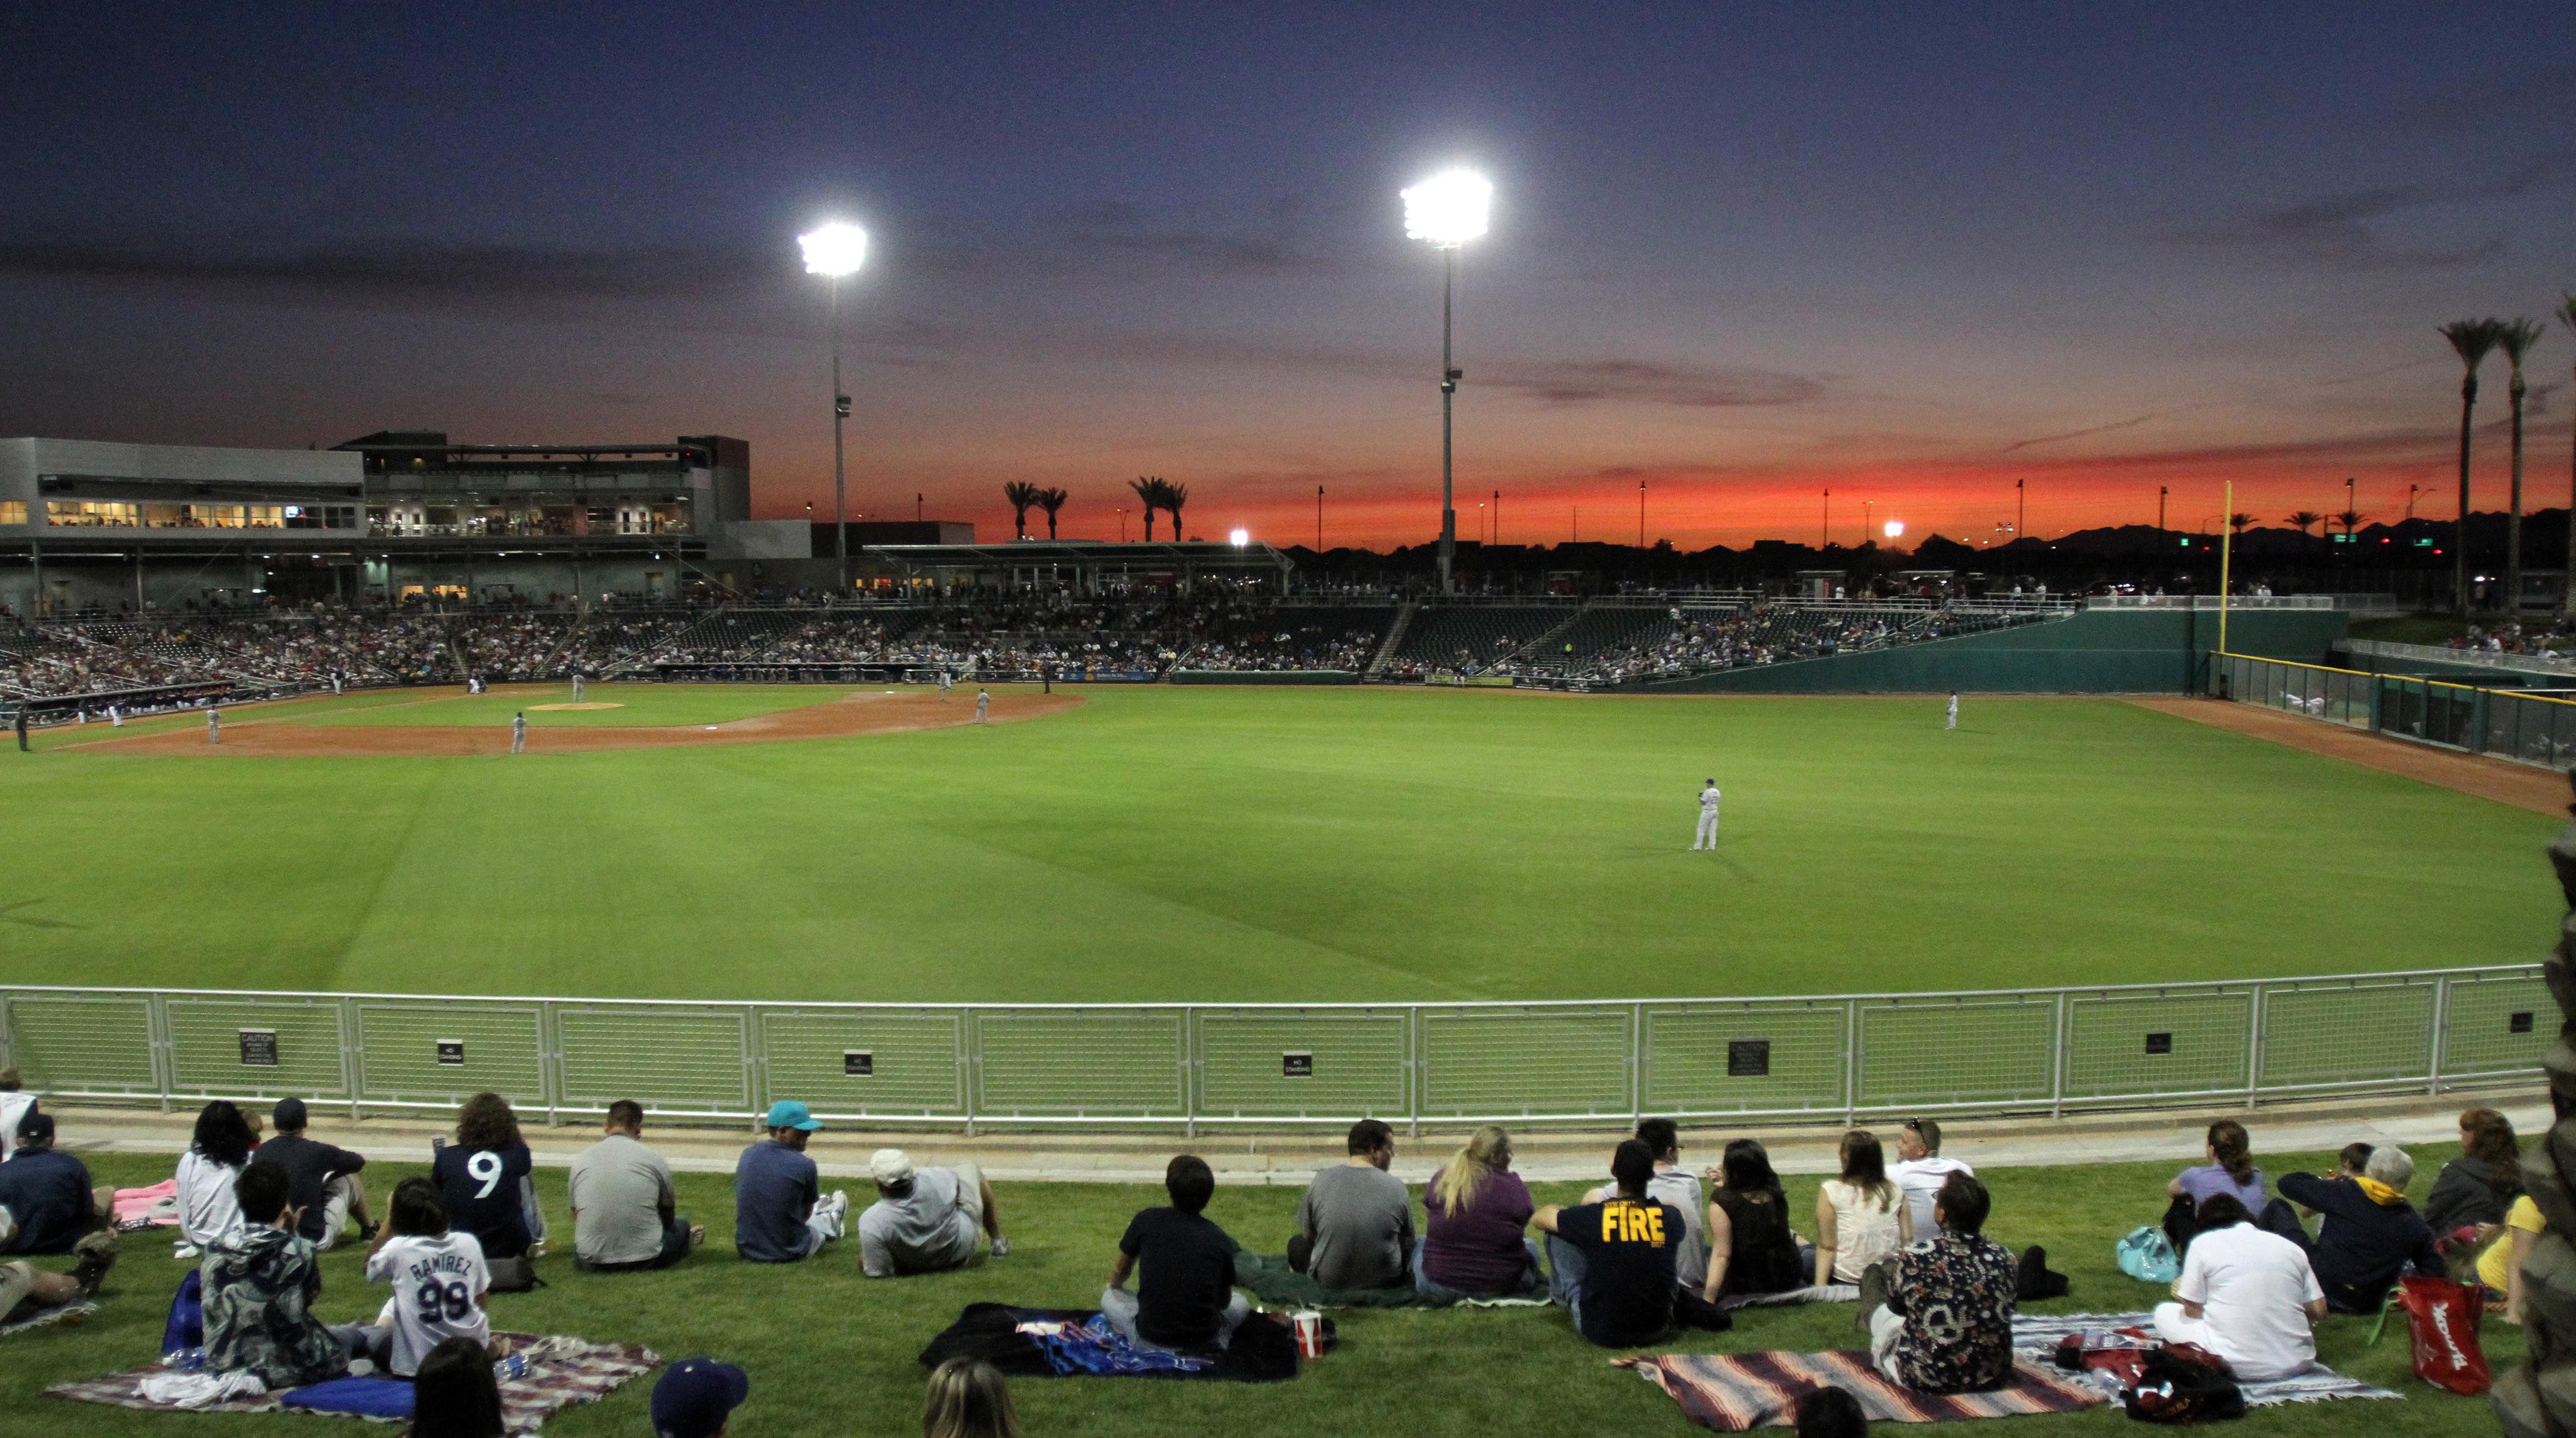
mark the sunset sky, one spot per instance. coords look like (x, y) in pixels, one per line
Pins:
(1744, 254)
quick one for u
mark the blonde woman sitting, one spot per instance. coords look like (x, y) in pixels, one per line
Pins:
(1475, 1243)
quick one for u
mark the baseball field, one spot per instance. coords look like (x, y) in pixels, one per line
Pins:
(1230, 844)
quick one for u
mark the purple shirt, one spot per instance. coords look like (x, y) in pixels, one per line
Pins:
(1480, 1250)
(2206, 1181)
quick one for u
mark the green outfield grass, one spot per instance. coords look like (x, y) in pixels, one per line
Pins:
(830, 1354)
(1269, 844)
(638, 705)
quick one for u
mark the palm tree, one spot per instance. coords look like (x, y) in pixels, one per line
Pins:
(2304, 518)
(2516, 337)
(2238, 522)
(1023, 497)
(2348, 519)
(1051, 500)
(1149, 490)
(2566, 313)
(2470, 340)
(1174, 496)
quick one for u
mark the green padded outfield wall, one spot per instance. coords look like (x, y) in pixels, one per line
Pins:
(2097, 651)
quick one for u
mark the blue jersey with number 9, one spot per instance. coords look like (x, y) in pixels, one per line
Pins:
(484, 1189)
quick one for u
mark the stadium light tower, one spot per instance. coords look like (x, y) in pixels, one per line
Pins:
(1448, 210)
(833, 251)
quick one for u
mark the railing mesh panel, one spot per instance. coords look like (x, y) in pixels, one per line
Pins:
(1746, 1057)
(1506, 1062)
(499, 1049)
(2182, 1041)
(680, 1059)
(206, 1048)
(2497, 1025)
(1933, 1051)
(92, 1045)
(1353, 1063)
(913, 1061)
(2336, 1032)
(1081, 1063)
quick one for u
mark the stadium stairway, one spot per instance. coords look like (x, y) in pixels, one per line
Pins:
(1284, 1157)
(1394, 637)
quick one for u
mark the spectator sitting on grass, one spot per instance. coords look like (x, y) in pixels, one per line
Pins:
(322, 1180)
(2230, 1170)
(26, 1290)
(1750, 1247)
(2500, 1265)
(48, 1193)
(1921, 1170)
(217, 1153)
(779, 1212)
(1475, 1213)
(696, 1398)
(925, 1220)
(1940, 1313)
(968, 1399)
(439, 1278)
(2473, 1190)
(1355, 1224)
(1679, 1187)
(455, 1394)
(1185, 1298)
(488, 1179)
(2246, 1295)
(624, 1210)
(1612, 1263)
(260, 1284)
(1860, 1216)
(2369, 1233)
(15, 1103)
(1830, 1412)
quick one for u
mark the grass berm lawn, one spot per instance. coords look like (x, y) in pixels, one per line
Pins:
(1260, 844)
(830, 1353)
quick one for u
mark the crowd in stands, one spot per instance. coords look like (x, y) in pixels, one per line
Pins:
(1655, 1248)
(2514, 638)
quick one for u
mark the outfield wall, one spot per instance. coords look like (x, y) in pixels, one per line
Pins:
(1193, 1066)
(2096, 651)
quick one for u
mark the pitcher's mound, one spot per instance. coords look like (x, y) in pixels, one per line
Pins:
(553, 708)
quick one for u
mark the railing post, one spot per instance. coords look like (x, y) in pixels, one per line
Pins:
(2441, 1023)
(1416, 1069)
(1851, 1061)
(165, 1061)
(970, 1058)
(755, 1062)
(2254, 1045)
(1189, 1070)
(549, 1063)
(353, 1056)
(2057, 1059)
(1636, 1064)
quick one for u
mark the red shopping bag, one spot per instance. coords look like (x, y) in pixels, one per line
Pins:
(2443, 1317)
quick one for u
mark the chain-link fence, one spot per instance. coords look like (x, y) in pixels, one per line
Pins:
(1192, 1066)
(2529, 728)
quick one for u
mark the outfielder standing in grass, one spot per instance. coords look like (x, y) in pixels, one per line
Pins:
(1954, 711)
(1707, 836)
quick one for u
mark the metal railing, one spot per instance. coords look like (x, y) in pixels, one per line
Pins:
(2530, 729)
(1826, 1058)
(2466, 658)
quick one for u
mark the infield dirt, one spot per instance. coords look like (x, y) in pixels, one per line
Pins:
(834, 719)
(2524, 787)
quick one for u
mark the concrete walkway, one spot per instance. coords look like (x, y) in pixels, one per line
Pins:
(2428, 1125)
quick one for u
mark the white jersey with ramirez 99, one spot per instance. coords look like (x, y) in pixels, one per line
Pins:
(439, 1285)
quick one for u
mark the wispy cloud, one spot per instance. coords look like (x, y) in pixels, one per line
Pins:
(1647, 382)
(399, 271)
(2338, 230)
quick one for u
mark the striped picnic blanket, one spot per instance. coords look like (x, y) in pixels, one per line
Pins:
(2036, 1336)
(561, 1372)
(1732, 1391)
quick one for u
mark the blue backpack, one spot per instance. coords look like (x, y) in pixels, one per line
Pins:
(2147, 1255)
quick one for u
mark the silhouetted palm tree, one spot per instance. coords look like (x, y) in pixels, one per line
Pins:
(2516, 337)
(2348, 519)
(2238, 522)
(1174, 496)
(1023, 497)
(1149, 489)
(2470, 340)
(2566, 313)
(1051, 500)
(2304, 518)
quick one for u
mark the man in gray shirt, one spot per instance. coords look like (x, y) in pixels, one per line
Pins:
(622, 1203)
(1355, 1224)
(925, 1219)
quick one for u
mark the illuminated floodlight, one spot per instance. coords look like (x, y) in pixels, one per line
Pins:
(1448, 209)
(1241, 537)
(1895, 527)
(836, 249)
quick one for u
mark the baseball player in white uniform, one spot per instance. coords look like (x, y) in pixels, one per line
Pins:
(1954, 711)
(1707, 836)
(983, 704)
(945, 680)
(519, 732)
(214, 725)
(576, 688)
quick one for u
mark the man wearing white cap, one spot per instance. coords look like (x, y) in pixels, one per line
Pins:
(925, 1219)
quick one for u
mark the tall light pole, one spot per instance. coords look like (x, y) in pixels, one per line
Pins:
(832, 251)
(1449, 209)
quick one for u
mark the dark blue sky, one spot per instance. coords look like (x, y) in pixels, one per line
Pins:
(1741, 253)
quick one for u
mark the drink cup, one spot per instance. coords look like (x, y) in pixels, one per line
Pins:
(1310, 1332)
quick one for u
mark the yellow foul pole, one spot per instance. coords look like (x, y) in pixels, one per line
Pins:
(2226, 553)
